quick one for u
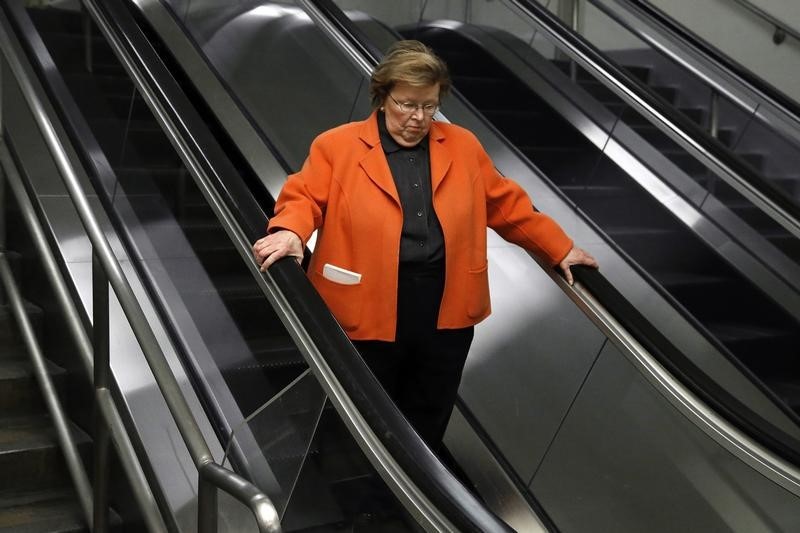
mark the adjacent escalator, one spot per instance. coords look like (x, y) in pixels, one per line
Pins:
(757, 331)
(755, 125)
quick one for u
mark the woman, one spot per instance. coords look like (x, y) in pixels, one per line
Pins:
(402, 204)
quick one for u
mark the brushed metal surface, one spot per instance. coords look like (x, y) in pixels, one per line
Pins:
(624, 460)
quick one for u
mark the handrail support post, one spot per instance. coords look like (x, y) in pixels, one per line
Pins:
(100, 332)
(713, 120)
(206, 505)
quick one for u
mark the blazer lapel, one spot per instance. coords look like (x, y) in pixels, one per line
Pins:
(440, 157)
(374, 162)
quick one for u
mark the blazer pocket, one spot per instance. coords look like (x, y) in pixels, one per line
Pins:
(343, 300)
(478, 297)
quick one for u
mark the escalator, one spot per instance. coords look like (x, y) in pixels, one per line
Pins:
(671, 253)
(677, 260)
(265, 404)
(269, 411)
(754, 122)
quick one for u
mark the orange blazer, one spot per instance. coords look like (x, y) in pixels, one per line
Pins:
(346, 191)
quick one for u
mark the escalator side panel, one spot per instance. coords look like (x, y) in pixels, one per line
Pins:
(624, 458)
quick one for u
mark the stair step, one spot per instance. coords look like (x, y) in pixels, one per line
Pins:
(19, 390)
(49, 511)
(30, 457)
(10, 339)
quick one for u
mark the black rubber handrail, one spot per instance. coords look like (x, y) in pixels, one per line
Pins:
(734, 68)
(662, 349)
(646, 95)
(422, 466)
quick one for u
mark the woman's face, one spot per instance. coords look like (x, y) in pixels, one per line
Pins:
(409, 128)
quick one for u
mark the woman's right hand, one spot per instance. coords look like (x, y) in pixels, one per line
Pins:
(275, 246)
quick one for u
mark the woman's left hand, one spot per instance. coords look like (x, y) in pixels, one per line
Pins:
(576, 256)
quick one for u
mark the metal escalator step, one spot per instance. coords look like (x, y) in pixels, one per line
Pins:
(106, 83)
(534, 128)
(695, 114)
(495, 92)
(56, 19)
(639, 71)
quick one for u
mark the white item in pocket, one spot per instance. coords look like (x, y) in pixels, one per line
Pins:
(340, 275)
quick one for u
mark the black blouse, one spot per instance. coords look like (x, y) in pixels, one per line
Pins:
(422, 240)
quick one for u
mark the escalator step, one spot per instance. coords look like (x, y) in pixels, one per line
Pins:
(642, 73)
(600, 92)
(563, 165)
(496, 93)
(68, 51)
(532, 128)
(51, 19)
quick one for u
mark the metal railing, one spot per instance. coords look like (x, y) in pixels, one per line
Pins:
(680, 129)
(107, 270)
(781, 29)
(142, 493)
(712, 67)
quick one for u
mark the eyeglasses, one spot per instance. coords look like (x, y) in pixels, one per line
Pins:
(410, 107)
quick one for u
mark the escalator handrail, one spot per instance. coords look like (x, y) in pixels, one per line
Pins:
(696, 380)
(736, 173)
(318, 334)
(263, 510)
(684, 369)
(768, 17)
(752, 82)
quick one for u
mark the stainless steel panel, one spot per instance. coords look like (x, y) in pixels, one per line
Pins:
(490, 479)
(275, 60)
(626, 460)
(528, 359)
(21, 132)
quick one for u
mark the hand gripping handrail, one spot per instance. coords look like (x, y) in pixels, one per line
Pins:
(107, 270)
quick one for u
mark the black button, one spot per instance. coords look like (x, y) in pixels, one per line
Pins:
(411, 159)
(415, 185)
(419, 213)
(421, 244)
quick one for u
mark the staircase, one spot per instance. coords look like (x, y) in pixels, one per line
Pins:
(36, 495)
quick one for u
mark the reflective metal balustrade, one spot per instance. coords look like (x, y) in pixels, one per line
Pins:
(581, 424)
